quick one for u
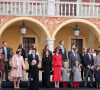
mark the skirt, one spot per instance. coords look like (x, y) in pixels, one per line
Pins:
(57, 74)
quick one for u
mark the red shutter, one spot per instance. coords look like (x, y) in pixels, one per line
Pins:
(37, 3)
(97, 1)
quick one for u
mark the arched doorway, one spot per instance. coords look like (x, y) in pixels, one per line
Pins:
(89, 34)
(36, 33)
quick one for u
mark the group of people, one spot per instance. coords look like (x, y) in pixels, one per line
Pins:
(63, 66)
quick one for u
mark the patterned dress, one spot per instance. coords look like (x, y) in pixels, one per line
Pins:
(65, 74)
(76, 76)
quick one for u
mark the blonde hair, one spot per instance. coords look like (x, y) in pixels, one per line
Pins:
(65, 63)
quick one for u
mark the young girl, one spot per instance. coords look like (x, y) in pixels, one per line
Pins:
(76, 76)
(65, 77)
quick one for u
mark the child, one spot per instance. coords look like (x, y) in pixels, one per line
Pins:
(34, 78)
(76, 74)
(65, 77)
(97, 76)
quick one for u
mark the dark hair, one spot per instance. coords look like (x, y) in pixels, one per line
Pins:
(56, 49)
(45, 53)
(45, 47)
(61, 41)
(88, 50)
(4, 42)
(18, 50)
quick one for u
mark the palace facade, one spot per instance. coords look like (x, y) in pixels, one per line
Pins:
(49, 21)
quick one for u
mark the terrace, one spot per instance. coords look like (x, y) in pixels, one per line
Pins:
(50, 8)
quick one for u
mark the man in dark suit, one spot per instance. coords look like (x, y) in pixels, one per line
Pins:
(62, 51)
(71, 51)
(32, 57)
(89, 64)
(72, 58)
(6, 52)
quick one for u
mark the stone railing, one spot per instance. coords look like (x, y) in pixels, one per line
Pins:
(49, 8)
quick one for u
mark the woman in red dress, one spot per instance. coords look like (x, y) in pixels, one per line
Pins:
(57, 64)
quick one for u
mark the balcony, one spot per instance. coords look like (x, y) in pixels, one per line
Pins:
(51, 8)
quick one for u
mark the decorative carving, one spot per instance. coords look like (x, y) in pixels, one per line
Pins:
(51, 23)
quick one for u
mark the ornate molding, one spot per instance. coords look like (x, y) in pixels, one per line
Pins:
(51, 23)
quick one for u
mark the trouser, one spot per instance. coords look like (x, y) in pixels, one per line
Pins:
(6, 70)
(82, 73)
(88, 73)
(71, 78)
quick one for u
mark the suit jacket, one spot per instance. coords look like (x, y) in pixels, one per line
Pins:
(8, 52)
(69, 52)
(64, 55)
(82, 59)
(30, 58)
(72, 60)
(87, 60)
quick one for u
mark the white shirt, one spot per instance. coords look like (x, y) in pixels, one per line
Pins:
(5, 50)
(62, 48)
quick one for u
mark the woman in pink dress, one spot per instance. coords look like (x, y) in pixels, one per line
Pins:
(57, 64)
(17, 65)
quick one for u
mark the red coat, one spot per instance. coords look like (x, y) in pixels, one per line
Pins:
(57, 60)
(57, 64)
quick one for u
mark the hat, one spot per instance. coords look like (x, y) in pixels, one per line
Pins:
(18, 50)
(56, 50)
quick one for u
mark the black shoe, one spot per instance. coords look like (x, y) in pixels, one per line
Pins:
(85, 85)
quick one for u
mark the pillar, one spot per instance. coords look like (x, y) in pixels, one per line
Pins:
(50, 42)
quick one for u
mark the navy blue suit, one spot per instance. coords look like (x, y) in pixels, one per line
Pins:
(33, 72)
(72, 59)
(88, 72)
(6, 64)
(30, 58)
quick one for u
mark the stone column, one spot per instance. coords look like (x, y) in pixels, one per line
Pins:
(51, 7)
(50, 42)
